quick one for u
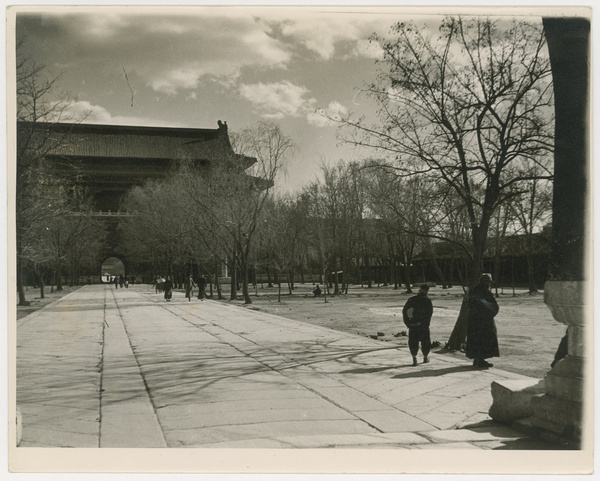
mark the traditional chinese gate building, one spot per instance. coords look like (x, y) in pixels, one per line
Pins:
(110, 159)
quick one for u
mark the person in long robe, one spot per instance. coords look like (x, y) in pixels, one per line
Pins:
(201, 288)
(482, 336)
(189, 288)
(168, 289)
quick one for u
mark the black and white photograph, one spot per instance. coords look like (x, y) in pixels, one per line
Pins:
(300, 239)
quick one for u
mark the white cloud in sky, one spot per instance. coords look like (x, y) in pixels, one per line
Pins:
(83, 110)
(278, 100)
(322, 34)
(365, 48)
(328, 116)
(172, 53)
(169, 53)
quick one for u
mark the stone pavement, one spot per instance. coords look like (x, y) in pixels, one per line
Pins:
(106, 367)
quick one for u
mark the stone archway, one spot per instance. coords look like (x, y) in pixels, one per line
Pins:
(111, 266)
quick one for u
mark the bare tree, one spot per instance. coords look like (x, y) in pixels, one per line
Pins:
(40, 193)
(532, 210)
(467, 108)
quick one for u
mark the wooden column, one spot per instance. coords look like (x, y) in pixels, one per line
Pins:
(561, 409)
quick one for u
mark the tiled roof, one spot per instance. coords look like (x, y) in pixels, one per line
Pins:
(117, 141)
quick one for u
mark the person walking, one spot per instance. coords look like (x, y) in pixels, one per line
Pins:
(189, 287)
(417, 314)
(201, 288)
(168, 288)
(116, 282)
(482, 336)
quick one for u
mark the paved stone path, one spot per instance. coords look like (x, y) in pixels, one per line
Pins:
(106, 367)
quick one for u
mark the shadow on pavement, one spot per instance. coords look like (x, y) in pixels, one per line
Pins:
(433, 372)
(372, 369)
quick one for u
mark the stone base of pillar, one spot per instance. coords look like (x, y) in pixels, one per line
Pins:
(563, 417)
(512, 399)
(559, 412)
(531, 427)
(565, 379)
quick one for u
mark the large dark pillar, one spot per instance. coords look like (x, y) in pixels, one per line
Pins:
(561, 411)
(568, 44)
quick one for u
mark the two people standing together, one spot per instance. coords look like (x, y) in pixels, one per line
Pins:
(482, 338)
(189, 288)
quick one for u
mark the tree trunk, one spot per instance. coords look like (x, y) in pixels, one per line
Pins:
(22, 300)
(245, 282)
(41, 279)
(301, 267)
(233, 282)
(217, 286)
(407, 277)
(459, 333)
(279, 292)
(59, 286)
(530, 269)
(512, 274)
(438, 270)
(336, 290)
(497, 267)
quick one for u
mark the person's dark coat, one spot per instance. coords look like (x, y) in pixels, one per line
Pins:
(482, 337)
(201, 287)
(168, 289)
(422, 310)
(417, 314)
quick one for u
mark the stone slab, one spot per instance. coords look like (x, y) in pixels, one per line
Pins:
(263, 430)
(55, 437)
(351, 399)
(512, 398)
(252, 417)
(474, 435)
(392, 420)
(445, 446)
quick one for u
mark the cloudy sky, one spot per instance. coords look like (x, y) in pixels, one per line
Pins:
(192, 66)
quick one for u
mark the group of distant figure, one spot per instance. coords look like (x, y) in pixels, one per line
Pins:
(165, 285)
(122, 280)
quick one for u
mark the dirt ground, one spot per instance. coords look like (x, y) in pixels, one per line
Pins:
(32, 295)
(527, 333)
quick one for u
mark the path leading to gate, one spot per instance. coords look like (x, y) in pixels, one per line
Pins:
(106, 367)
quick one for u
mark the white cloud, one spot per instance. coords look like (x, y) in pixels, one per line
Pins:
(278, 100)
(319, 34)
(174, 50)
(169, 53)
(84, 111)
(368, 49)
(323, 33)
(328, 116)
